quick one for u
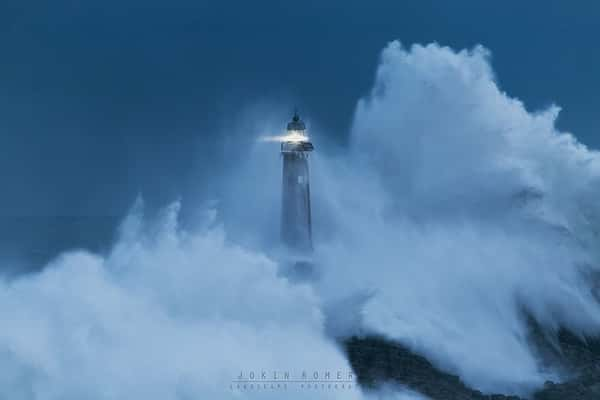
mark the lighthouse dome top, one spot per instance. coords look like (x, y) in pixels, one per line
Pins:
(296, 124)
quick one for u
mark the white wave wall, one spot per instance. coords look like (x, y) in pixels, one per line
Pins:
(166, 315)
(456, 209)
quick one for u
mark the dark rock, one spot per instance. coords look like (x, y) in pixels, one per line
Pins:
(378, 361)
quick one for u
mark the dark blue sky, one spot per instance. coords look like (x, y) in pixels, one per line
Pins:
(100, 101)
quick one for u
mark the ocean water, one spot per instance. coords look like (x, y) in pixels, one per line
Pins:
(28, 243)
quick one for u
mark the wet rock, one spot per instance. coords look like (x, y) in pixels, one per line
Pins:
(378, 361)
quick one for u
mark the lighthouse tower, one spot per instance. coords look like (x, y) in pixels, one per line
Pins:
(296, 229)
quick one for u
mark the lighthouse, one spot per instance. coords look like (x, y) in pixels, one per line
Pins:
(296, 225)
